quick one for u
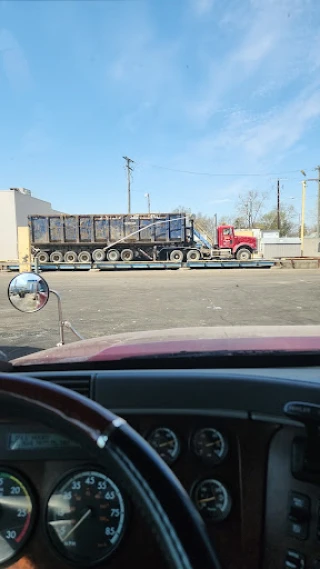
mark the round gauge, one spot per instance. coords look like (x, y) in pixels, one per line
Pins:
(212, 499)
(16, 508)
(166, 443)
(209, 445)
(86, 517)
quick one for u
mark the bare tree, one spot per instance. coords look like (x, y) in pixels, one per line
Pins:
(205, 223)
(250, 206)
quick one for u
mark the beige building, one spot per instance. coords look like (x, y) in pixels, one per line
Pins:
(15, 206)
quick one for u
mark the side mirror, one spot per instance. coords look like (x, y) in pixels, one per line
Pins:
(28, 292)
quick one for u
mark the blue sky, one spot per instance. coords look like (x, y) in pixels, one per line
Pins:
(209, 86)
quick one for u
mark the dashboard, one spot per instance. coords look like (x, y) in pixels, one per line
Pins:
(224, 434)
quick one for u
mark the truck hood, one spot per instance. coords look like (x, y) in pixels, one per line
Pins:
(182, 340)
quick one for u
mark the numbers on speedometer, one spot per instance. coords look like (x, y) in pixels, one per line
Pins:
(16, 514)
(86, 517)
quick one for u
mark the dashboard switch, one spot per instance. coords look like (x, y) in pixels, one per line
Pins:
(294, 560)
(299, 515)
(299, 507)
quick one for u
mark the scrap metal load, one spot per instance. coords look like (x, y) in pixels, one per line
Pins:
(152, 237)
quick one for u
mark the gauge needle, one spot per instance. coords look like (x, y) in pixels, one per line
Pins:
(167, 443)
(212, 444)
(206, 500)
(84, 517)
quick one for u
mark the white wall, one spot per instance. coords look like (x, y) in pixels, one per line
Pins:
(27, 205)
(14, 210)
(8, 227)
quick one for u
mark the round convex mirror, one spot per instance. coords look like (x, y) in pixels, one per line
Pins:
(28, 292)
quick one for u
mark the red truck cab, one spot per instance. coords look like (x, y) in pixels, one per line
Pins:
(242, 246)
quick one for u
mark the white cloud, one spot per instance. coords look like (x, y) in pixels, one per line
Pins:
(202, 7)
(270, 48)
(14, 61)
(284, 127)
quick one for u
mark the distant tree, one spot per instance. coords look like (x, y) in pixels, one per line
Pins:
(250, 207)
(205, 223)
(226, 220)
(288, 225)
(182, 209)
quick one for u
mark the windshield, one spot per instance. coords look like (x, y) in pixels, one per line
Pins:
(159, 170)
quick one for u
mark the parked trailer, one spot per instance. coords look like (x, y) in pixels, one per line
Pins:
(138, 237)
(86, 238)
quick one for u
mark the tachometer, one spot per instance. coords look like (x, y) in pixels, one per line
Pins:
(166, 443)
(86, 516)
(212, 499)
(209, 445)
(16, 508)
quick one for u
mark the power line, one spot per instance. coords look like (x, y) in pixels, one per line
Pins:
(216, 175)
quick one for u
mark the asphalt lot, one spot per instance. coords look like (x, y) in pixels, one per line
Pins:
(102, 303)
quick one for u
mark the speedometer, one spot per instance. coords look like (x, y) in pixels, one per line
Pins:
(86, 516)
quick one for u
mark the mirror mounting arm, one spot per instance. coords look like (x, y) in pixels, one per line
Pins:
(64, 324)
(61, 327)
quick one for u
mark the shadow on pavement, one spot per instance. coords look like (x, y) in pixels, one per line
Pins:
(8, 353)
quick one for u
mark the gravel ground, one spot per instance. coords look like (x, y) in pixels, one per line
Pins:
(102, 303)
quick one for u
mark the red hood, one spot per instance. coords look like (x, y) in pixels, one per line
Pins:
(215, 339)
(246, 239)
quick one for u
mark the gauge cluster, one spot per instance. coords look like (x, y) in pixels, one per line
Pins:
(209, 446)
(80, 512)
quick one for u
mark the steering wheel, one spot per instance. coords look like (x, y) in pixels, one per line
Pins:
(155, 491)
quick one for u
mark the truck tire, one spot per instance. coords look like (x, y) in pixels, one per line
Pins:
(70, 257)
(113, 255)
(56, 257)
(42, 256)
(193, 255)
(127, 255)
(176, 255)
(84, 257)
(243, 254)
(98, 255)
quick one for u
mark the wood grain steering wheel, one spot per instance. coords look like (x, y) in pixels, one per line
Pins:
(114, 445)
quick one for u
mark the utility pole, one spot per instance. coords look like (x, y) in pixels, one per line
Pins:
(148, 199)
(129, 170)
(303, 208)
(278, 206)
(318, 208)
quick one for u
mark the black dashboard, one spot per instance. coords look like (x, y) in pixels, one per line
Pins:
(223, 433)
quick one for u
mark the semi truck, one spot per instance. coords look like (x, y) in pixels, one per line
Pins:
(129, 237)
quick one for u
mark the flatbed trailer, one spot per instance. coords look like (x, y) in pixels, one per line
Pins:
(147, 265)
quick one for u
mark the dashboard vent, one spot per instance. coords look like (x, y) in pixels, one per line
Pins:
(79, 384)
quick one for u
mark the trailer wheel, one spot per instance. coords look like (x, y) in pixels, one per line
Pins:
(84, 257)
(42, 257)
(70, 257)
(127, 255)
(98, 255)
(176, 255)
(56, 257)
(193, 255)
(113, 255)
(243, 254)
